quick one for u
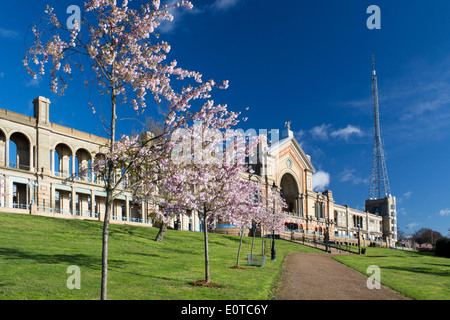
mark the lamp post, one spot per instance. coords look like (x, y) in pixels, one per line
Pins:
(359, 241)
(32, 184)
(273, 256)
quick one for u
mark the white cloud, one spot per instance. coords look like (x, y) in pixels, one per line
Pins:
(299, 134)
(364, 104)
(412, 225)
(167, 26)
(433, 97)
(401, 211)
(445, 212)
(348, 175)
(9, 34)
(320, 180)
(404, 196)
(346, 132)
(2, 75)
(324, 131)
(34, 83)
(179, 13)
(224, 4)
(320, 132)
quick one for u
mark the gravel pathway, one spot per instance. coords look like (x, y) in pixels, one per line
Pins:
(316, 276)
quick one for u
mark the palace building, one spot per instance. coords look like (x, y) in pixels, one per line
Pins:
(312, 214)
(37, 156)
(36, 159)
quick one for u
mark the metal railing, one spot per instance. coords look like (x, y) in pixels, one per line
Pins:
(90, 214)
(322, 245)
(79, 213)
(19, 166)
(20, 206)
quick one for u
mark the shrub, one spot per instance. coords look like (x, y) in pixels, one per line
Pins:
(443, 247)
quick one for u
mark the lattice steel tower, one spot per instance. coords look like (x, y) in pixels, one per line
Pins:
(379, 181)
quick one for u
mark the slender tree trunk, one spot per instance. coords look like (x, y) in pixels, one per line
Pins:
(205, 232)
(240, 245)
(109, 201)
(162, 231)
(253, 240)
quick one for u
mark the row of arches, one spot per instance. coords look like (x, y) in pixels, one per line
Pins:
(17, 151)
(64, 162)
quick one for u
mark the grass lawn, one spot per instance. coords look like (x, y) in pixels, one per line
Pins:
(416, 275)
(35, 253)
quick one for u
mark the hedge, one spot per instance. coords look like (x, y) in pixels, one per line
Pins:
(443, 247)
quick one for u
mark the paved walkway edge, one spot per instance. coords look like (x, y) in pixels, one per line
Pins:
(316, 276)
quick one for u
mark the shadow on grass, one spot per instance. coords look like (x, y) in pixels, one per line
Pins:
(440, 264)
(146, 255)
(70, 259)
(422, 270)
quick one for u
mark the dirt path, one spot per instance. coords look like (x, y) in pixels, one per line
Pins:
(315, 276)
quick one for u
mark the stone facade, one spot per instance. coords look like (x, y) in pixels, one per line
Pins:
(314, 214)
(36, 159)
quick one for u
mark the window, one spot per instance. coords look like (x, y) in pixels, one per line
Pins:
(57, 201)
(77, 203)
(320, 210)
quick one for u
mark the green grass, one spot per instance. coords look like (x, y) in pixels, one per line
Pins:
(35, 253)
(420, 276)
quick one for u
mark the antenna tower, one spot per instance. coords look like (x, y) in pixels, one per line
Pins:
(379, 181)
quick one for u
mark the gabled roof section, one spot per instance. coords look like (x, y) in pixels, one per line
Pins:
(289, 139)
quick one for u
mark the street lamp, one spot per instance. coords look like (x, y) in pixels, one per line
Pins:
(359, 241)
(274, 190)
(32, 184)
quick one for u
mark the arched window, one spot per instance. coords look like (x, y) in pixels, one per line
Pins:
(2, 148)
(83, 165)
(63, 160)
(19, 151)
(290, 192)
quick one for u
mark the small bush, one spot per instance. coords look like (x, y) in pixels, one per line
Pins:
(443, 248)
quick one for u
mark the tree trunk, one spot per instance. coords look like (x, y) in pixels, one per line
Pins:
(253, 240)
(205, 232)
(240, 245)
(109, 201)
(162, 231)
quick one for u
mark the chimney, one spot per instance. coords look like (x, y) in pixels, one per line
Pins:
(42, 110)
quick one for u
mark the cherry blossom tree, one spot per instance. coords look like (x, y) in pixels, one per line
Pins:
(217, 174)
(220, 194)
(274, 217)
(252, 212)
(116, 49)
(267, 213)
(168, 197)
(176, 153)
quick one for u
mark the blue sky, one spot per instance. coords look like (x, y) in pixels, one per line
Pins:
(308, 62)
